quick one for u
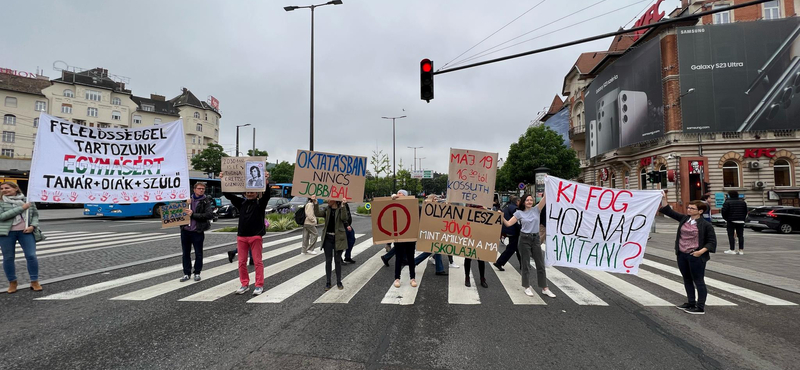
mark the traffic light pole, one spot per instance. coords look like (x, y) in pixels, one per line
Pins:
(653, 168)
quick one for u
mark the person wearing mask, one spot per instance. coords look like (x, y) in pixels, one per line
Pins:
(337, 222)
(249, 237)
(512, 232)
(694, 241)
(309, 229)
(529, 245)
(18, 219)
(201, 212)
(734, 211)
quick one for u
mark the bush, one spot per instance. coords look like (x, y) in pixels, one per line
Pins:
(282, 224)
(231, 229)
(362, 210)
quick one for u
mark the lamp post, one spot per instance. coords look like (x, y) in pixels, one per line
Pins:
(312, 7)
(394, 153)
(237, 137)
(414, 164)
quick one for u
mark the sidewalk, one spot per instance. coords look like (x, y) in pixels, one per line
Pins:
(770, 259)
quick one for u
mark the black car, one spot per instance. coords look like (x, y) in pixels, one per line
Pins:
(295, 203)
(779, 218)
(273, 204)
(226, 211)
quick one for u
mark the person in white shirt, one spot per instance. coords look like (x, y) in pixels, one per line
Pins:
(529, 245)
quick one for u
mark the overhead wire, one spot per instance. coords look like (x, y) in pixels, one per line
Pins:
(495, 32)
(551, 32)
(637, 15)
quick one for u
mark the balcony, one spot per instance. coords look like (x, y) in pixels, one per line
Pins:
(576, 131)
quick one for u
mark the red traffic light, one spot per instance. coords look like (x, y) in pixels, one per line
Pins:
(427, 66)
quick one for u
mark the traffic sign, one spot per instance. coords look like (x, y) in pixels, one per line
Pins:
(521, 186)
(368, 206)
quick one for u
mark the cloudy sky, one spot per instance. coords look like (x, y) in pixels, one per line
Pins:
(254, 57)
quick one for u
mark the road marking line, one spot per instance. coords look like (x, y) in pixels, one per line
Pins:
(572, 289)
(80, 239)
(405, 294)
(140, 238)
(627, 289)
(457, 292)
(735, 289)
(678, 288)
(354, 281)
(512, 283)
(290, 287)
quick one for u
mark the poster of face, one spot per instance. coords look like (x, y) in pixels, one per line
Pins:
(255, 175)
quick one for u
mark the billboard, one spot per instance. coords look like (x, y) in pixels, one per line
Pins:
(560, 124)
(744, 76)
(624, 104)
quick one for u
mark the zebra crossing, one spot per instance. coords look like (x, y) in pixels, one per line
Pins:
(564, 282)
(76, 241)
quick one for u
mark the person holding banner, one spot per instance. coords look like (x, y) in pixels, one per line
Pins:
(334, 243)
(249, 237)
(18, 219)
(512, 232)
(529, 245)
(200, 213)
(695, 240)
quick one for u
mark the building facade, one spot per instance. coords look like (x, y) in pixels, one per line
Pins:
(759, 162)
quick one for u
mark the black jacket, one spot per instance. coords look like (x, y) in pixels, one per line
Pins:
(203, 214)
(706, 236)
(508, 212)
(734, 210)
(251, 213)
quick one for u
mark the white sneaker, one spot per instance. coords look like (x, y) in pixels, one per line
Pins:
(303, 253)
(258, 291)
(242, 290)
(740, 251)
(313, 252)
(529, 292)
(729, 252)
(548, 293)
(454, 266)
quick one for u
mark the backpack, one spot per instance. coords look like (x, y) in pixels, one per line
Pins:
(300, 215)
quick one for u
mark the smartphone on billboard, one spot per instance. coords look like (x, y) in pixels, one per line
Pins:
(607, 122)
(778, 103)
(772, 62)
(592, 138)
(632, 107)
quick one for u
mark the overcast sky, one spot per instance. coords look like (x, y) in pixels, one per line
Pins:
(254, 57)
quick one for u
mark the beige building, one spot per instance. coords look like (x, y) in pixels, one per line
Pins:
(94, 99)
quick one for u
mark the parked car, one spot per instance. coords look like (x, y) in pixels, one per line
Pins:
(717, 220)
(226, 211)
(779, 218)
(274, 203)
(296, 202)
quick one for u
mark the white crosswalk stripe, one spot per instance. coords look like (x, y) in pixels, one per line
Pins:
(629, 290)
(354, 281)
(64, 241)
(678, 288)
(457, 292)
(573, 290)
(512, 283)
(405, 294)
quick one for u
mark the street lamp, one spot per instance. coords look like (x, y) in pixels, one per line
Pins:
(414, 164)
(237, 137)
(312, 7)
(394, 154)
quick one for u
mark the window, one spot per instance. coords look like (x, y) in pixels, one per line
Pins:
(116, 115)
(69, 93)
(148, 108)
(116, 101)
(197, 115)
(11, 102)
(783, 173)
(199, 127)
(157, 121)
(35, 124)
(643, 179)
(771, 10)
(206, 117)
(194, 139)
(91, 112)
(137, 119)
(93, 95)
(8, 136)
(626, 180)
(730, 174)
(722, 17)
(41, 106)
(216, 132)
(9, 119)
(613, 179)
(66, 108)
(7, 153)
(103, 125)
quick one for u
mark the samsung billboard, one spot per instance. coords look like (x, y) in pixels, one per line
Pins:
(745, 76)
(624, 103)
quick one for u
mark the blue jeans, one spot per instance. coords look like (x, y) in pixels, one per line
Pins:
(351, 241)
(8, 246)
(436, 258)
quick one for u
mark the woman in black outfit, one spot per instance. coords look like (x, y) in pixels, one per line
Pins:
(694, 241)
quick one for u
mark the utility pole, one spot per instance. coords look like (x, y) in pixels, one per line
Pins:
(254, 141)
(414, 164)
(394, 153)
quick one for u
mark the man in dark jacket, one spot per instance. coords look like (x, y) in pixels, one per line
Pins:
(249, 237)
(511, 232)
(200, 213)
(734, 211)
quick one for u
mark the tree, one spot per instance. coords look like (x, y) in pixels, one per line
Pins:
(540, 146)
(257, 153)
(210, 159)
(379, 162)
(282, 172)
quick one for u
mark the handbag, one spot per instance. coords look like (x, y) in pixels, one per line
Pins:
(38, 235)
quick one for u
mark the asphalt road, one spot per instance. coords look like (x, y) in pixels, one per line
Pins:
(105, 328)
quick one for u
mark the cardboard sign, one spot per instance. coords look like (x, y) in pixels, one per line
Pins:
(590, 227)
(395, 220)
(459, 231)
(471, 177)
(329, 176)
(174, 214)
(244, 174)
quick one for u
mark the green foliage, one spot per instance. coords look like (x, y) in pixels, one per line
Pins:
(362, 210)
(257, 153)
(231, 229)
(540, 146)
(379, 162)
(282, 172)
(210, 159)
(282, 224)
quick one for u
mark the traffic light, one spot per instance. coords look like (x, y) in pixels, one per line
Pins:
(651, 177)
(657, 176)
(426, 79)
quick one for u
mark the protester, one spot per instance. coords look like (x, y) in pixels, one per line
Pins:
(201, 212)
(481, 264)
(405, 251)
(18, 219)
(436, 258)
(249, 238)
(337, 222)
(529, 245)
(512, 232)
(707, 212)
(351, 241)
(734, 211)
(309, 229)
(390, 251)
(695, 240)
